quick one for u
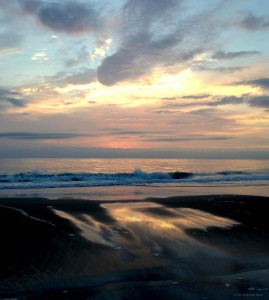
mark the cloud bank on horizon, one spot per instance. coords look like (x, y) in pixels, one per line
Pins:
(134, 74)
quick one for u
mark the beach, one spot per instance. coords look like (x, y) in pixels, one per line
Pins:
(134, 150)
(181, 247)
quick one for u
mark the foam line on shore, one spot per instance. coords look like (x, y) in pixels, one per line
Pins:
(27, 215)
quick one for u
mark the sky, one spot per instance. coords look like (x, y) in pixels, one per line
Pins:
(173, 78)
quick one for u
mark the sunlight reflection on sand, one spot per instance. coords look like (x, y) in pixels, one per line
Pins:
(147, 230)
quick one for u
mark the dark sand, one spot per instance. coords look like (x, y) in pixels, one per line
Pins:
(198, 247)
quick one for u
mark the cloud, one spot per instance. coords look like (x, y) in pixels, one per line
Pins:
(222, 55)
(122, 132)
(189, 138)
(259, 101)
(252, 22)
(172, 107)
(169, 98)
(101, 46)
(202, 96)
(38, 136)
(9, 42)
(227, 100)
(126, 132)
(251, 100)
(218, 69)
(216, 102)
(165, 111)
(40, 56)
(11, 97)
(204, 111)
(254, 101)
(81, 56)
(155, 33)
(60, 136)
(138, 58)
(198, 96)
(53, 39)
(82, 76)
(260, 82)
(65, 16)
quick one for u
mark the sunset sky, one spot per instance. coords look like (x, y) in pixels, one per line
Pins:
(108, 78)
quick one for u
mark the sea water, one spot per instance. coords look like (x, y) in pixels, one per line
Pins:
(76, 177)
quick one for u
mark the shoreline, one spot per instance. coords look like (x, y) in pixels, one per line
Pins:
(213, 246)
(138, 192)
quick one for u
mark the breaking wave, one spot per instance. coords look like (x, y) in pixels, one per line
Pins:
(37, 179)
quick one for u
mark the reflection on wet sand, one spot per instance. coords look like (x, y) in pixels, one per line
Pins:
(159, 248)
(156, 229)
(89, 228)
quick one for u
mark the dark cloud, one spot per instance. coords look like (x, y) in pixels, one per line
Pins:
(122, 132)
(156, 7)
(21, 135)
(198, 96)
(204, 111)
(226, 101)
(218, 69)
(260, 82)
(126, 132)
(164, 111)
(83, 77)
(137, 57)
(255, 101)
(155, 33)
(222, 55)
(66, 16)
(259, 101)
(216, 102)
(38, 136)
(253, 22)
(170, 107)
(169, 98)
(190, 153)
(11, 97)
(190, 138)
(202, 96)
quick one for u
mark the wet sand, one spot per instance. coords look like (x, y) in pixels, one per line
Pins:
(190, 247)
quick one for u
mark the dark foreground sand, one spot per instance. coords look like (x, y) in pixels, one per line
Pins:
(200, 247)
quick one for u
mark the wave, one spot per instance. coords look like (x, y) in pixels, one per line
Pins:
(37, 179)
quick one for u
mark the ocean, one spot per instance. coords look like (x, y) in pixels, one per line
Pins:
(133, 228)
(103, 177)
